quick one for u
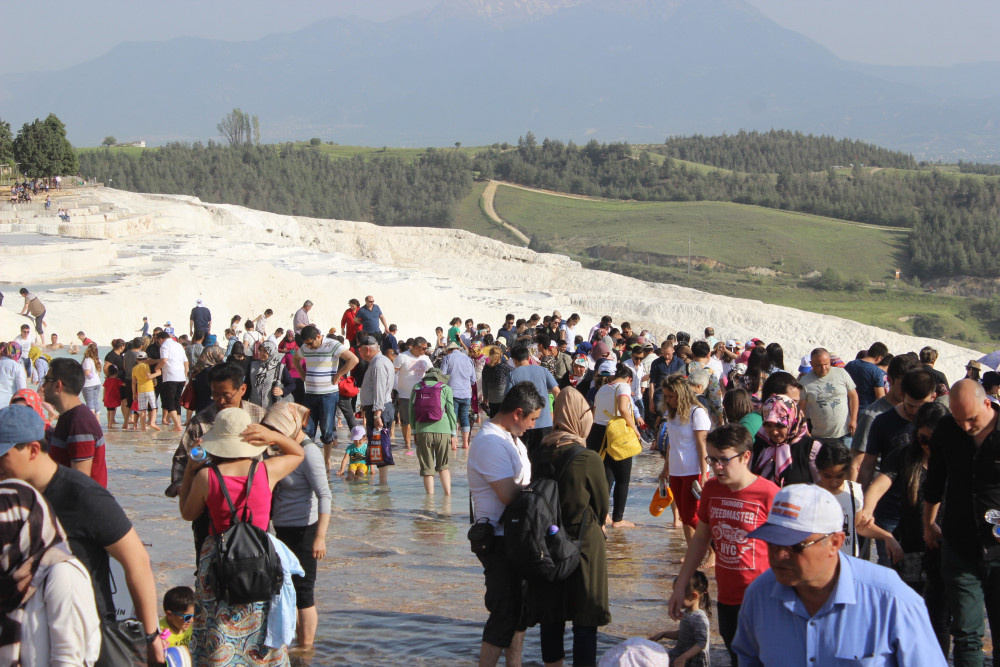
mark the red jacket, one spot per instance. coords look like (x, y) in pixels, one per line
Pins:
(349, 326)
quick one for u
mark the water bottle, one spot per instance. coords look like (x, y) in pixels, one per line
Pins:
(993, 517)
(553, 529)
(198, 453)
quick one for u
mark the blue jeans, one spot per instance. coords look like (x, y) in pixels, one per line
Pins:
(888, 525)
(462, 406)
(322, 413)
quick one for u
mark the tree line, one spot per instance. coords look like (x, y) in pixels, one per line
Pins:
(40, 149)
(941, 209)
(781, 150)
(296, 180)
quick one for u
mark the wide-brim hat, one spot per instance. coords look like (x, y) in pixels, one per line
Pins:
(453, 346)
(224, 439)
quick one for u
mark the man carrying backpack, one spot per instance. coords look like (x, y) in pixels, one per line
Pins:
(432, 413)
(498, 468)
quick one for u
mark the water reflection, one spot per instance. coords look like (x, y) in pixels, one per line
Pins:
(399, 583)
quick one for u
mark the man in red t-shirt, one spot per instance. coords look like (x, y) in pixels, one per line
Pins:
(77, 441)
(733, 503)
(349, 322)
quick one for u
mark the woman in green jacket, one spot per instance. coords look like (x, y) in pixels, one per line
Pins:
(583, 497)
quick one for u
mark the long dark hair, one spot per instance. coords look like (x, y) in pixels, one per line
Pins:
(758, 365)
(736, 405)
(913, 457)
(776, 355)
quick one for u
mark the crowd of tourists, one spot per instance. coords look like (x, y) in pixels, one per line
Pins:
(786, 482)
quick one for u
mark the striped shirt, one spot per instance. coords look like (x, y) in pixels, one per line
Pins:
(321, 366)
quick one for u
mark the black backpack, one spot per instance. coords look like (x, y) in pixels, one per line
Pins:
(530, 545)
(245, 567)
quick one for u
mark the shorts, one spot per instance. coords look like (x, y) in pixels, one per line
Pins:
(684, 500)
(432, 452)
(147, 400)
(358, 468)
(299, 540)
(170, 396)
(404, 411)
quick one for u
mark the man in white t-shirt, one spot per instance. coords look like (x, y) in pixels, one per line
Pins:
(410, 368)
(568, 332)
(498, 469)
(173, 364)
(250, 337)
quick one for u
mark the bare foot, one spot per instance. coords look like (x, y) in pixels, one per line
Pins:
(607, 521)
(622, 524)
(154, 427)
(465, 446)
(678, 524)
(176, 428)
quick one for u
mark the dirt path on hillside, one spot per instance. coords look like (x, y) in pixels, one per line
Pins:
(488, 195)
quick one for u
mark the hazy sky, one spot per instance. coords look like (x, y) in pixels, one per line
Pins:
(893, 32)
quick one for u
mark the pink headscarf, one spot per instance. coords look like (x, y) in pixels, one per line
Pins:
(33, 401)
(782, 410)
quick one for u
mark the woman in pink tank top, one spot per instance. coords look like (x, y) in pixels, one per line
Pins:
(233, 634)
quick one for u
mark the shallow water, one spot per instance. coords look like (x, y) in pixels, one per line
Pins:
(399, 582)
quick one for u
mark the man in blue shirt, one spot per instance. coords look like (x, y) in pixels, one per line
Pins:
(818, 606)
(461, 374)
(369, 316)
(544, 382)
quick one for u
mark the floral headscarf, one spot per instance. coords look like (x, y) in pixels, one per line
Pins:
(33, 401)
(12, 350)
(775, 459)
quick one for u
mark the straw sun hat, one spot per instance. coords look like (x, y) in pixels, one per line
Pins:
(224, 440)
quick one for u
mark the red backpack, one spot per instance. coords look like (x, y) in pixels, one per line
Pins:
(427, 402)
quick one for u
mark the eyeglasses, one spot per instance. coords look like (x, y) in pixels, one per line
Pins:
(217, 395)
(187, 618)
(802, 546)
(723, 462)
(46, 379)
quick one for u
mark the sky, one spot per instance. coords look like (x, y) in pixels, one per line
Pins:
(884, 32)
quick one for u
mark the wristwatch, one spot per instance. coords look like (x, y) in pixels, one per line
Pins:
(152, 637)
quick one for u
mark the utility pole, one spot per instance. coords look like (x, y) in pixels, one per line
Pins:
(689, 254)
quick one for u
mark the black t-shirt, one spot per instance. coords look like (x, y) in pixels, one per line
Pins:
(93, 520)
(201, 316)
(153, 351)
(888, 433)
(118, 360)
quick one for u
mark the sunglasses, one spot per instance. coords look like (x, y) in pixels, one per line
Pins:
(802, 546)
(187, 618)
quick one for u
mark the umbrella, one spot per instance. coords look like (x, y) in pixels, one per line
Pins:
(992, 360)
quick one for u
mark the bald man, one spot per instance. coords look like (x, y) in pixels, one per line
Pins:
(964, 471)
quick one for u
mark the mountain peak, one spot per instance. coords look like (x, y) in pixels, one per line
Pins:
(503, 11)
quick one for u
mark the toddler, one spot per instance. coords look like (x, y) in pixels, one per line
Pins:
(354, 458)
(177, 621)
(113, 394)
(691, 649)
(144, 391)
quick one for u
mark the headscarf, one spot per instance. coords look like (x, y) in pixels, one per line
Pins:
(782, 410)
(265, 376)
(12, 350)
(477, 350)
(286, 418)
(571, 419)
(33, 541)
(35, 352)
(209, 357)
(33, 401)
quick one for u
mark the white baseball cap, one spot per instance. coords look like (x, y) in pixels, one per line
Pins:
(798, 511)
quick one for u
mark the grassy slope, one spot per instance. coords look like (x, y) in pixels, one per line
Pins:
(743, 236)
(737, 235)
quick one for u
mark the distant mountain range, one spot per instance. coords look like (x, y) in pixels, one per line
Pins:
(480, 71)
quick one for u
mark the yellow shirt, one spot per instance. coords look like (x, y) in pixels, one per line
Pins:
(140, 374)
(182, 639)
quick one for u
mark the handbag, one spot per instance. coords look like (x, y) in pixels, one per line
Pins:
(380, 450)
(187, 396)
(346, 387)
(620, 441)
